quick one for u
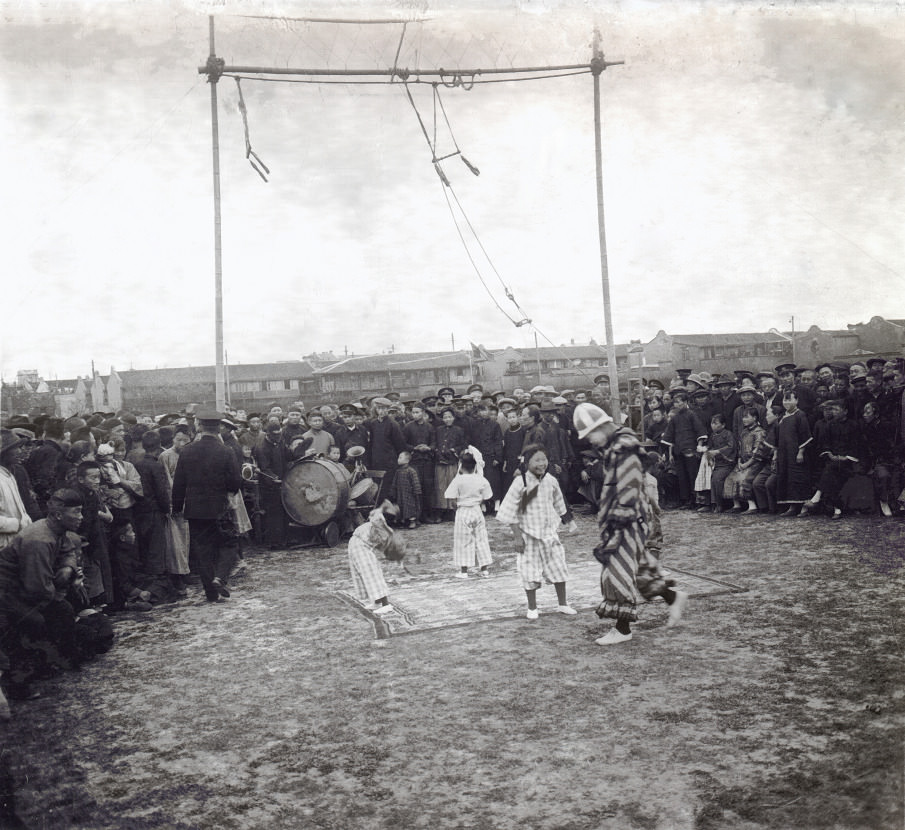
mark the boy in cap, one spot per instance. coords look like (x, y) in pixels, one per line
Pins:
(629, 567)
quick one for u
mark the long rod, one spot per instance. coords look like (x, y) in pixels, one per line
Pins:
(219, 372)
(399, 71)
(597, 66)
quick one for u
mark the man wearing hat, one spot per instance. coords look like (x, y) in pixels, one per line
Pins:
(786, 374)
(386, 441)
(43, 463)
(207, 472)
(353, 431)
(629, 567)
(747, 392)
(36, 571)
(726, 399)
(446, 395)
(272, 457)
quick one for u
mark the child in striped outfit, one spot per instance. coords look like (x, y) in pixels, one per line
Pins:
(373, 537)
(470, 543)
(534, 508)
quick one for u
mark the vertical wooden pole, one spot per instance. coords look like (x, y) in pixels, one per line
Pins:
(219, 373)
(597, 66)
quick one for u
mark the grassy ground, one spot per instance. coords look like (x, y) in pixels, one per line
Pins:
(779, 707)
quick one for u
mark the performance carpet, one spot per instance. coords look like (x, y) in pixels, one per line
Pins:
(426, 603)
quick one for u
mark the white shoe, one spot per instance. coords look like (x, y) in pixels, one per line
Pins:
(532, 614)
(676, 609)
(485, 574)
(566, 609)
(461, 575)
(884, 509)
(612, 637)
(384, 609)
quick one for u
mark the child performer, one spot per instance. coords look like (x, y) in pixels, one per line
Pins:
(629, 568)
(534, 508)
(470, 543)
(373, 537)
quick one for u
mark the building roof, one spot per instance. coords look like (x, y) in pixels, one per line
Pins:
(567, 352)
(282, 370)
(728, 339)
(400, 362)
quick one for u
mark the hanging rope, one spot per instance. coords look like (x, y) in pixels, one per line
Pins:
(253, 158)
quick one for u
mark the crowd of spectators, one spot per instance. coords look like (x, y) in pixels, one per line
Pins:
(88, 530)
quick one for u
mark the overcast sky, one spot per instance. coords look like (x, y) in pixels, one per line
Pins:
(753, 171)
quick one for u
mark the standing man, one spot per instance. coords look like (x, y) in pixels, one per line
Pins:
(386, 442)
(630, 568)
(682, 435)
(206, 473)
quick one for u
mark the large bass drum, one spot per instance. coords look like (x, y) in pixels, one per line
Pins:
(314, 491)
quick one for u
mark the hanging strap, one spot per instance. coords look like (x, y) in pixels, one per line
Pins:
(253, 158)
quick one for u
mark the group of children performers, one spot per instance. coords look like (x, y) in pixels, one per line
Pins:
(535, 511)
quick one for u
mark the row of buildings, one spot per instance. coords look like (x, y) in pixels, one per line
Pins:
(323, 378)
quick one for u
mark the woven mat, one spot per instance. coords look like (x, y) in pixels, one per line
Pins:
(426, 603)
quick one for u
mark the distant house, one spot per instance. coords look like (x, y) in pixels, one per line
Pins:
(412, 375)
(718, 353)
(249, 386)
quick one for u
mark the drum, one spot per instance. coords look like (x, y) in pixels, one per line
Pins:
(365, 492)
(314, 491)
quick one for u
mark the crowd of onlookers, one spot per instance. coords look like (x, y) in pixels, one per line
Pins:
(87, 529)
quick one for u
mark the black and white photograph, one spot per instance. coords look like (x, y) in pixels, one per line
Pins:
(452, 414)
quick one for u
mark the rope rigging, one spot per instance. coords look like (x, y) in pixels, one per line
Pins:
(250, 154)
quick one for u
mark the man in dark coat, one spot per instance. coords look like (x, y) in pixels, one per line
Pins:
(206, 472)
(387, 441)
(150, 514)
(272, 457)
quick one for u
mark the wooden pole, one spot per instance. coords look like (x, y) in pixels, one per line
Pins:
(214, 69)
(597, 66)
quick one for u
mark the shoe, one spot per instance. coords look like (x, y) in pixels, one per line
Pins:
(837, 514)
(485, 573)
(884, 509)
(384, 609)
(213, 597)
(220, 588)
(704, 509)
(138, 605)
(750, 511)
(737, 510)
(806, 509)
(532, 614)
(568, 610)
(612, 637)
(461, 575)
(789, 513)
(676, 609)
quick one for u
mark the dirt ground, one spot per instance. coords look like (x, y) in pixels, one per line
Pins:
(779, 707)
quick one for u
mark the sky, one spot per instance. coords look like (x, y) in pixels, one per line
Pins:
(752, 177)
